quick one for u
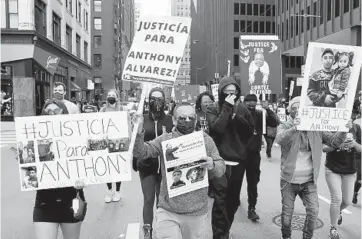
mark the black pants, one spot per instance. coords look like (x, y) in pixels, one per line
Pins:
(235, 176)
(269, 144)
(219, 219)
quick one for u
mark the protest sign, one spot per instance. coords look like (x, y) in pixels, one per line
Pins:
(329, 86)
(55, 151)
(187, 93)
(215, 91)
(300, 81)
(259, 107)
(260, 64)
(282, 114)
(182, 157)
(291, 88)
(90, 109)
(157, 50)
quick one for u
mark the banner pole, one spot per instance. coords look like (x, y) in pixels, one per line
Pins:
(139, 111)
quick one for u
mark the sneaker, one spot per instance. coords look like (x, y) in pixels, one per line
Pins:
(116, 197)
(355, 200)
(147, 231)
(109, 196)
(252, 215)
(333, 233)
(339, 219)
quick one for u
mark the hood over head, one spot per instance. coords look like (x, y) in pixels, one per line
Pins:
(227, 80)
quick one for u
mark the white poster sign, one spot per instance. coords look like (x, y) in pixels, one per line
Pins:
(291, 88)
(259, 107)
(300, 81)
(182, 159)
(329, 86)
(215, 91)
(157, 50)
(282, 114)
(55, 151)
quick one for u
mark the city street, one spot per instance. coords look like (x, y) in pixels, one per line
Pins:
(112, 220)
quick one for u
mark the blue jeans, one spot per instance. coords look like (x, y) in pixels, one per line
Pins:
(308, 193)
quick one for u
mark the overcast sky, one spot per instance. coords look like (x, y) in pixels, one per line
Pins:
(155, 7)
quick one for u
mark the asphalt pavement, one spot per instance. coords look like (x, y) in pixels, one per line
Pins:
(111, 221)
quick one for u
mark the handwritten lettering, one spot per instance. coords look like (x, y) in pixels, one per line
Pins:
(52, 61)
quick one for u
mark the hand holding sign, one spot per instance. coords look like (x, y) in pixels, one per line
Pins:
(138, 118)
(209, 164)
(79, 184)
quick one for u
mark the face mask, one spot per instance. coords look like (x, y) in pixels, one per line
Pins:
(157, 105)
(111, 100)
(58, 96)
(186, 127)
(250, 106)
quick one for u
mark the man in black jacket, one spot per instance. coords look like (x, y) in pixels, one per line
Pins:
(156, 122)
(252, 163)
(231, 125)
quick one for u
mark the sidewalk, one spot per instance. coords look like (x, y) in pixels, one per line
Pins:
(7, 126)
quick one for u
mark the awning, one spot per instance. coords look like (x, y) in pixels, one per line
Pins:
(74, 87)
(16, 52)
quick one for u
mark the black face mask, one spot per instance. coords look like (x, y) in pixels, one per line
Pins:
(111, 100)
(157, 105)
(185, 127)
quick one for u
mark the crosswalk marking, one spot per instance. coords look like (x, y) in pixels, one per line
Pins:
(7, 138)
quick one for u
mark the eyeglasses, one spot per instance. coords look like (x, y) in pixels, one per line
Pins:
(184, 118)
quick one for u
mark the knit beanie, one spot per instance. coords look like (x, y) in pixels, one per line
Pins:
(250, 97)
(292, 102)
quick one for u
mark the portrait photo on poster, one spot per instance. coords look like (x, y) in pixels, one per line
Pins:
(45, 150)
(29, 178)
(26, 152)
(330, 82)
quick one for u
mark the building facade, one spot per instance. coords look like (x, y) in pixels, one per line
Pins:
(137, 13)
(43, 42)
(182, 8)
(112, 34)
(212, 40)
(326, 21)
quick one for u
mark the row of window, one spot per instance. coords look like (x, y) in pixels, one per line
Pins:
(284, 5)
(254, 26)
(250, 9)
(295, 24)
(9, 14)
(183, 14)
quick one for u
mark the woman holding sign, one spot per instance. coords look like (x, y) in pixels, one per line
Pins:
(64, 207)
(112, 105)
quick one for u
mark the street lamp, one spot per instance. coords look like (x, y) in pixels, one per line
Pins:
(305, 17)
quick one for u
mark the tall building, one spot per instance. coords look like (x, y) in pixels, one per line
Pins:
(326, 21)
(211, 38)
(137, 13)
(111, 44)
(43, 42)
(182, 8)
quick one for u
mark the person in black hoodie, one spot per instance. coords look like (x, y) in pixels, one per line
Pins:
(252, 163)
(156, 122)
(230, 125)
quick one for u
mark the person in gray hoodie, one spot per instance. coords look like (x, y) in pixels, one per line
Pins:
(184, 216)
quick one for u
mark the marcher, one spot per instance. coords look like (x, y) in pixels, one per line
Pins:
(53, 207)
(183, 216)
(357, 184)
(340, 175)
(113, 105)
(231, 125)
(156, 122)
(251, 166)
(59, 93)
(203, 101)
(300, 165)
(271, 133)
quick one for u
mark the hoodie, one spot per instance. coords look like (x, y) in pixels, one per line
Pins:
(192, 203)
(230, 126)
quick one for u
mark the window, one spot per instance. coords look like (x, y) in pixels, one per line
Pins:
(40, 17)
(236, 43)
(346, 6)
(315, 14)
(97, 41)
(236, 8)
(287, 3)
(299, 61)
(97, 23)
(268, 10)
(236, 60)
(282, 32)
(321, 12)
(56, 29)
(242, 9)
(242, 26)
(329, 10)
(287, 60)
(282, 6)
(356, 3)
(68, 5)
(9, 14)
(249, 26)
(291, 27)
(3, 14)
(68, 38)
(256, 9)
(268, 27)
(336, 8)
(302, 22)
(79, 12)
(97, 60)
(286, 30)
(262, 27)
(86, 23)
(292, 62)
(250, 9)
(262, 10)
(256, 27)
(86, 51)
(236, 25)
(308, 18)
(273, 10)
(297, 26)
(77, 40)
(273, 28)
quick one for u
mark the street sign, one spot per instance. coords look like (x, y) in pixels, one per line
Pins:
(217, 75)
